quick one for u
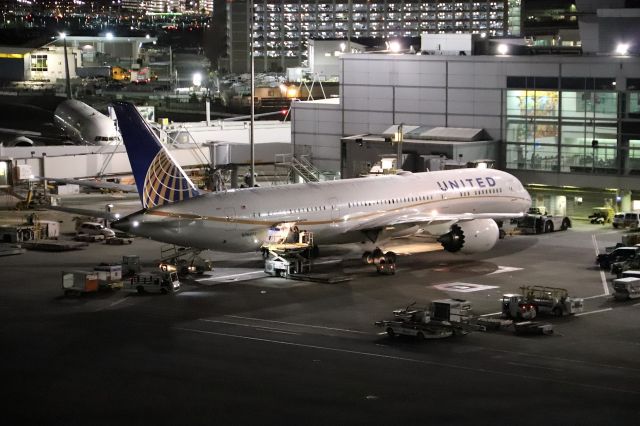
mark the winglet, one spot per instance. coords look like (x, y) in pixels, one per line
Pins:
(159, 178)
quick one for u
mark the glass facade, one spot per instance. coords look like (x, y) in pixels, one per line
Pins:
(571, 131)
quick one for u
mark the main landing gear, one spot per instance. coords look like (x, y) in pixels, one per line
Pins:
(385, 262)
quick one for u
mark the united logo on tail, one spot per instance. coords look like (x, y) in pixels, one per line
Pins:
(159, 178)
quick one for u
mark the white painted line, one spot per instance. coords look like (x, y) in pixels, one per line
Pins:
(413, 360)
(522, 364)
(603, 278)
(503, 269)
(294, 324)
(250, 326)
(463, 287)
(224, 277)
(491, 314)
(382, 333)
(595, 244)
(597, 296)
(593, 312)
(117, 302)
(637, 304)
(273, 330)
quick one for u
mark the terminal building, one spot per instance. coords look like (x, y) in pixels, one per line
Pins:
(567, 125)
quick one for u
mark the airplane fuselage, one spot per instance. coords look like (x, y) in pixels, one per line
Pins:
(238, 220)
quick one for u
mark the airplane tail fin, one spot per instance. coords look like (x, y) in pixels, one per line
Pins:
(159, 178)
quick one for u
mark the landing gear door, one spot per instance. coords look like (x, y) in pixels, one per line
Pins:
(230, 219)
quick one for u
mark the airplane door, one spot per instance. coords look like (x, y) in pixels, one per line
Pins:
(230, 219)
(335, 212)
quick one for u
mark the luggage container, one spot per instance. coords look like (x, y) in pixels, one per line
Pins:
(79, 282)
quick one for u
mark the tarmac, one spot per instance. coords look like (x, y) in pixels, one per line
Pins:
(234, 346)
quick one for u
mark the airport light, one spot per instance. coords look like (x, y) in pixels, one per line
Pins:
(343, 46)
(394, 46)
(503, 49)
(109, 35)
(197, 79)
(622, 49)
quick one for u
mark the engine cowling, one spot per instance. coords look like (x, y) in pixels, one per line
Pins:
(473, 236)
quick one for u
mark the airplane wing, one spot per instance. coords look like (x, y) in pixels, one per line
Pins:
(421, 219)
(94, 184)
(19, 132)
(86, 212)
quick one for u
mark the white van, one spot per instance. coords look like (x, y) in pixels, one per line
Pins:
(95, 228)
(624, 220)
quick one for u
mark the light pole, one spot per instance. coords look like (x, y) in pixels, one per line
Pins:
(253, 113)
(63, 36)
(399, 140)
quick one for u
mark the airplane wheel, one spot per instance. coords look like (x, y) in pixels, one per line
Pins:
(390, 256)
(377, 255)
(367, 258)
(140, 289)
(390, 332)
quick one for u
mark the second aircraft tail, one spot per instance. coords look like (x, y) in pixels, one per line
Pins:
(159, 178)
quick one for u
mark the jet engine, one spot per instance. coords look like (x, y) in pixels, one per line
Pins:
(21, 141)
(473, 236)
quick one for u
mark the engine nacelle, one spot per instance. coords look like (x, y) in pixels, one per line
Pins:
(21, 141)
(473, 236)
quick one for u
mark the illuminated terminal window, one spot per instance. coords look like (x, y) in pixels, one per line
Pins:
(565, 129)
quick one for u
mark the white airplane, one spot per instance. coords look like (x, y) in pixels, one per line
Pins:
(456, 207)
(82, 124)
(85, 125)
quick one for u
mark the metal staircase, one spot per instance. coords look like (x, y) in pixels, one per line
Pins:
(300, 167)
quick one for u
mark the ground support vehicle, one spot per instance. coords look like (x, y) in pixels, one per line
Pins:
(631, 273)
(532, 327)
(602, 215)
(442, 318)
(287, 251)
(119, 241)
(620, 269)
(626, 288)
(153, 282)
(79, 282)
(552, 300)
(130, 265)
(516, 307)
(619, 254)
(95, 228)
(627, 219)
(183, 260)
(537, 221)
(88, 238)
(109, 276)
